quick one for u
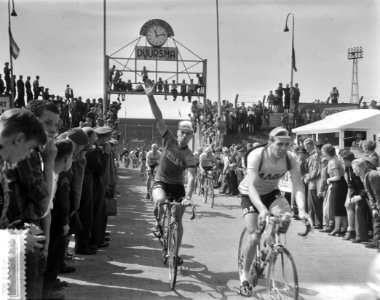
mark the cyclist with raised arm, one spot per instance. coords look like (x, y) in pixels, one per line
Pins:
(176, 157)
(207, 161)
(152, 160)
(261, 196)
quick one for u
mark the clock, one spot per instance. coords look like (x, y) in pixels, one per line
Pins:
(156, 35)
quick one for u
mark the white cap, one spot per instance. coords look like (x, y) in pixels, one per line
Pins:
(185, 125)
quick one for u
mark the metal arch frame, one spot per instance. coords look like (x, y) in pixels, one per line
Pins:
(188, 65)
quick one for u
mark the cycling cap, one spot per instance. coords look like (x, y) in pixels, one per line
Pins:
(185, 125)
(281, 133)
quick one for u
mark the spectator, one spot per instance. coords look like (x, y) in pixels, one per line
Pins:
(36, 87)
(294, 97)
(356, 203)
(287, 97)
(183, 89)
(28, 87)
(357, 144)
(334, 95)
(14, 86)
(2, 85)
(191, 90)
(371, 156)
(338, 189)
(20, 92)
(371, 181)
(174, 90)
(279, 95)
(69, 93)
(311, 180)
(7, 77)
(271, 100)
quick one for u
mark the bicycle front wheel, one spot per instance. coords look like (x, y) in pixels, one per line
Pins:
(172, 255)
(282, 278)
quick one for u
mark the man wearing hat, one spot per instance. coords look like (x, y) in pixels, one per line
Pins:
(311, 177)
(175, 159)
(260, 194)
(98, 158)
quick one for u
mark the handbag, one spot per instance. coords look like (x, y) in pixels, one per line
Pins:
(111, 207)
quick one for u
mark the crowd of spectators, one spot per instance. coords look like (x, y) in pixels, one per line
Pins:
(342, 189)
(163, 87)
(74, 112)
(58, 178)
(59, 186)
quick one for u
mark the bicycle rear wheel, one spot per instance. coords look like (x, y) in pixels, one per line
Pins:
(282, 278)
(172, 255)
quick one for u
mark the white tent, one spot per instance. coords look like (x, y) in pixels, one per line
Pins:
(339, 128)
(354, 120)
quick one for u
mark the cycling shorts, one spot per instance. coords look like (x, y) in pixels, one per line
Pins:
(267, 199)
(207, 169)
(175, 191)
(152, 167)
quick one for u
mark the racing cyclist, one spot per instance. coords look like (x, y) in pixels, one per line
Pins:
(260, 195)
(207, 161)
(152, 160)
(142, 158)
(176, 157)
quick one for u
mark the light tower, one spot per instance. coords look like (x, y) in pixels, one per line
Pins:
(354, 54)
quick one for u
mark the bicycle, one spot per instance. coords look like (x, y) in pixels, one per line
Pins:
(277, 257)
(209, 188)
(152, 175)
(197, 183)
(168, 238)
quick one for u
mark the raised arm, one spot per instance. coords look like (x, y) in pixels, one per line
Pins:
(149, 90)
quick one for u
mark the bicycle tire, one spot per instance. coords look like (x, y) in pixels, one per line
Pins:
(164, 238)
(276, 289)
(172, 255)
(212, 195)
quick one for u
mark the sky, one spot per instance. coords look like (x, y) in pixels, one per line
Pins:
(62, 42)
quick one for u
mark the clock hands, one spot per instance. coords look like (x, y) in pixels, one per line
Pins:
(155, 32)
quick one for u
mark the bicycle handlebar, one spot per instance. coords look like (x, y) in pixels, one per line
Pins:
(306, 222)
(189, 204)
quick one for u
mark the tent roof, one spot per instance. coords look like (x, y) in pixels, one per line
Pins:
(356, 119)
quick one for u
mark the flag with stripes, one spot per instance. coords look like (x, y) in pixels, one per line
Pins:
(14, 49)
(294, 59)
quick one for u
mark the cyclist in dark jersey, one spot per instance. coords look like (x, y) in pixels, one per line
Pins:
(176, 157)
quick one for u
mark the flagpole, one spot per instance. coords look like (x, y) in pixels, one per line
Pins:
(105, 75)
(292, 61)
(217, 35)
(10, 52)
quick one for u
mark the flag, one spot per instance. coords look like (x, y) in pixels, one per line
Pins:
(179, 112)
(14, 49)
(294, 59)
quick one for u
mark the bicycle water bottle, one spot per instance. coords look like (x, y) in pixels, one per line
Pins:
(284, 222)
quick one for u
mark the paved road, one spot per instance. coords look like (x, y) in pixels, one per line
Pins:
(131, 267)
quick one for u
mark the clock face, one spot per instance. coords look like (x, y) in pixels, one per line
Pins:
(156, 35)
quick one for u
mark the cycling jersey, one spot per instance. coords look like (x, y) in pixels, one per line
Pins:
(207, 160)
(270, 172)
(174, 161)
(153, 159)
